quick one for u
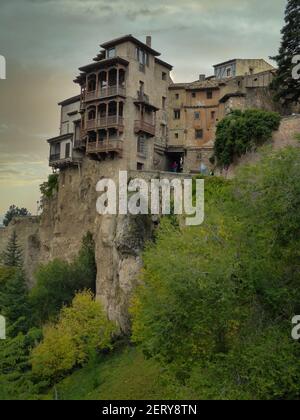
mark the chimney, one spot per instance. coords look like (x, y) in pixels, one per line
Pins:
(201, 77)
(148, 41)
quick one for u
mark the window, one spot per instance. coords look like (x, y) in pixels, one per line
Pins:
(209, 94)
(164, 99)
(213, 115)
(141, 146)
(164, 76)
(177, 96)
(111, 53)
(176, 136)
(197, 115)
(228, 72)
(163, 129)
(176, 114)
(68, 149)
(139, 166)
(193, 94)
(142, 57)
(199, 134)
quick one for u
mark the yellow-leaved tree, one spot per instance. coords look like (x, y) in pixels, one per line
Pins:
(82, 330)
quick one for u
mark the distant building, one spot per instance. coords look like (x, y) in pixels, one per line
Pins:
(241, 67)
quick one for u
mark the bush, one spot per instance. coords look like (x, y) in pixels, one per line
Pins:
(82, 330)
(48, 188)
(241, 132)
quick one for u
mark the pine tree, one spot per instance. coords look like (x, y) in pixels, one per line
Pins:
(287, 89)
(12, 256)
(14, 304)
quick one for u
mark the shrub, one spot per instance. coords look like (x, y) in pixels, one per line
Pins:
(241, 132)
(82, 329)
(48, 188)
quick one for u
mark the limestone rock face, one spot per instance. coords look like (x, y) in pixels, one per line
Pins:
(66, 219)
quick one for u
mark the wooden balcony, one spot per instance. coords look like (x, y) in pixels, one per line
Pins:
(144, 127)
(105, 122)
(105, 146)
(107, 92)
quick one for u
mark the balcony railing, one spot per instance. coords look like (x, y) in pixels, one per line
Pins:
(104, 122)
(54, 157)
(142, 126)
(105, 146)
(105, 92)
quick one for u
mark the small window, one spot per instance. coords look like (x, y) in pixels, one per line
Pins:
(141, 146)
(139, 166)
(199, 134)
(193, 94)
(177, 96)
(176, 136)
(164, 76)
(176, 114)
(111, 53)
(197, 115)
(213, 115)
(163, 102)
(68, 150)
(228, 72)
(209, 94)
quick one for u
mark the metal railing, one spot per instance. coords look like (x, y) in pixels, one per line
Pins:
(54, 157)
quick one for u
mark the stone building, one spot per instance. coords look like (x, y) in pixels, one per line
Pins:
(130, 113)
(124, 102)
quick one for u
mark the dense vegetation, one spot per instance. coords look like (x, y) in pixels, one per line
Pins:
(211, 319)
(241, 132)
(24, 372)
(217, 301)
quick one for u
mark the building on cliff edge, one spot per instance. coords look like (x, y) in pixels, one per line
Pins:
(130, 112)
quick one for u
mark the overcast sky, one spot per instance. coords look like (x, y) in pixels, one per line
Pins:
(45, 41)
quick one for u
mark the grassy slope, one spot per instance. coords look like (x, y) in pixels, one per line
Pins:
(124, 374)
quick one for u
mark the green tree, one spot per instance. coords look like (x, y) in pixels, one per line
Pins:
(241, 132)
(14, 211)
(12, 256)
(287, 89)
(82, 330)
(14, 304)
(58, 281)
